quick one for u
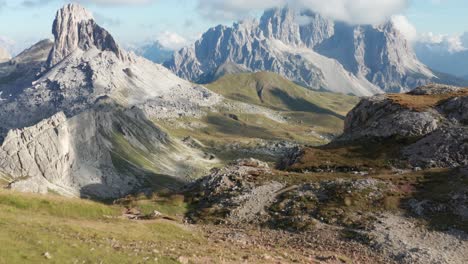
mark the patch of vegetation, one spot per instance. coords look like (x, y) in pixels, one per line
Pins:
(167, 203)
(343, 203)
(442, 193)
(44, 228)
(54, 206)
(349, 156)
(423, 102)
(270, 90)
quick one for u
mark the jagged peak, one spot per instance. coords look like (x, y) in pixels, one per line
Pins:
(75, 12)
(74, 28)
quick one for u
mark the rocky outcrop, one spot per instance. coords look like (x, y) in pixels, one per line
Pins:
(74, 28)
(434, 115)
(105, 153)
(304, 47)
(378, 116)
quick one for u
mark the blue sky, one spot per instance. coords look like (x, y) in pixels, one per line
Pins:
(27, 21)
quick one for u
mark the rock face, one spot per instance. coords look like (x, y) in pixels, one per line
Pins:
(77, 119)
(378, 117)
(319, 54)
(82, 155)
(74, 28)
(434, 115)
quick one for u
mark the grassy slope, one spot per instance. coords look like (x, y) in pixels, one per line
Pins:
(273, 91)
(307, 113)
(80, 231)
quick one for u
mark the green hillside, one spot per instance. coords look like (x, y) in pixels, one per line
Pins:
(263, 108)
(273, 91)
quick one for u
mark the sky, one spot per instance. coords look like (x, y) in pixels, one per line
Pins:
(178, 22)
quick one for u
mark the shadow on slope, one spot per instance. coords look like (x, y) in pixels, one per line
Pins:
(302, 105)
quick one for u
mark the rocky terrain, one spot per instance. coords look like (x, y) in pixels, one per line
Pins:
(371, 185)
(321, 54)
(107, 118)
(76, 115)
(434, 116)
(249, 168)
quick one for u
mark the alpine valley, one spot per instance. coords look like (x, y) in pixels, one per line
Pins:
(289, 139)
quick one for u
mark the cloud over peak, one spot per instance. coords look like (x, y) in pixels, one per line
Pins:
(351, 11)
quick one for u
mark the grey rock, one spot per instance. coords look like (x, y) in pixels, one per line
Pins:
(81, 104)
(303, 47)
(74, 28)
(434, 89)
(378, 117)
(446, 147)
(441, 131)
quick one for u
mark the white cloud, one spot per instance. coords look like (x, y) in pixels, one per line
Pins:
(171, 40)
(117, 2)
(351, 11)
(464, 39)
(405, 27)
(450, 43)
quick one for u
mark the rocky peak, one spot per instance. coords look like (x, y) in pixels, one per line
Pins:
(314, 28)
(74, 28)
(280, 23)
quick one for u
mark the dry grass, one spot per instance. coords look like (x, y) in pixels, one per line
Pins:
(356, 156)
(423, 102)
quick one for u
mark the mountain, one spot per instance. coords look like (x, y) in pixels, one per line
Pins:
(154, 52)
(76, 115)
(81, 116)
(319, 54)
(444, 55)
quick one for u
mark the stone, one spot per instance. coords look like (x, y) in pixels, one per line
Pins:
(319, 54)
(47, 255)
(74, 28)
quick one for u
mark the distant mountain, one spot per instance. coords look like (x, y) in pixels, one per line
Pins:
(320, 54)
(444, 54)
(154, 52)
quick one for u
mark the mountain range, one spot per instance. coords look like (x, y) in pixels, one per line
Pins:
(270, 158)
(81, 116)
(310, 50)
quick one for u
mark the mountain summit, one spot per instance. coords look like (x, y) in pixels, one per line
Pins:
(74, 28)
(78, 115)
(310, 50)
